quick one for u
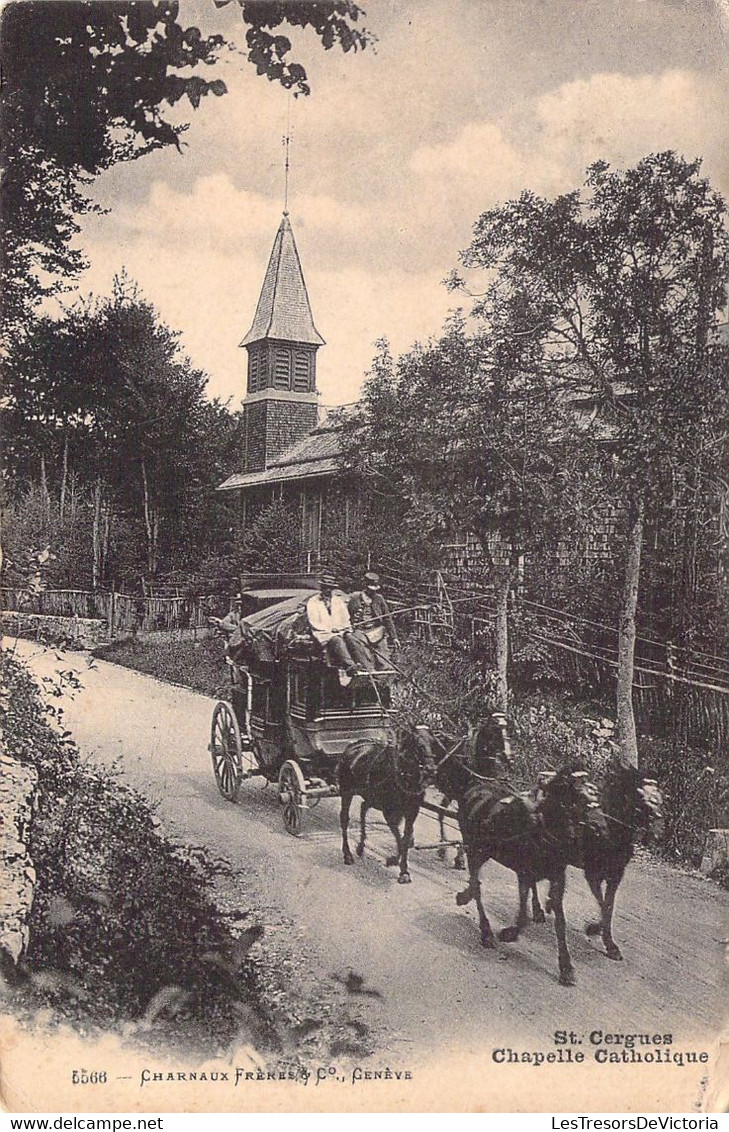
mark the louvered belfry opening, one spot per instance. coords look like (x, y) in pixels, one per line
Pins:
(281, 395)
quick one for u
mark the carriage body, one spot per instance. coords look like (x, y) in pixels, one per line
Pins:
(291, 716)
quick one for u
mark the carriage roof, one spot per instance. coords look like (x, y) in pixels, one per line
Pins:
(268, 634)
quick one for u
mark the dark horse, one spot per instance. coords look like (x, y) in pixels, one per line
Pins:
(390, 777)
(631, 803)
(486, 748)
(534, 839)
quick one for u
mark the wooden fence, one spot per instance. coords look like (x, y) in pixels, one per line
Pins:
(123, 613)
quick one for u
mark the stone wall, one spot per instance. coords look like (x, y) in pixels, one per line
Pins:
(84, 631)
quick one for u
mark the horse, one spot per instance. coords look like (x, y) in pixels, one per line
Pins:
(630, 802)
(534, 839)
(390, 777)
(489, 752)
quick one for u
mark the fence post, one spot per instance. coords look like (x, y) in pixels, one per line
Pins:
(112, 613)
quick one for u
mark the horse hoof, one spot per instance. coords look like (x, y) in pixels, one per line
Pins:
(539, 917)
(509, 935)
(614, 952)
(392, 861)
(464, 897)
(348, 859)
(488, 941)
(360, 850)
(404, 878)
(567, 978)
(593, 928)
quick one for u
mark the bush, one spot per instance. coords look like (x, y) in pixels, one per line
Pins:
(119, 913)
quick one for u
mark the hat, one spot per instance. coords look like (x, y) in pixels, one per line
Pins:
(328, 579)
(372, 580)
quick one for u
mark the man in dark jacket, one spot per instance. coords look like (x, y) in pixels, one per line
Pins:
(371, 617)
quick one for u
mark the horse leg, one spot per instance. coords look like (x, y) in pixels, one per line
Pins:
(511, 934)
(557, 889)
(594, 927)
(488, 938)
(392, 817)
(362, 828)
(344, 823)
(611, 947)
(537, 910)
(407, 841)
(441, 830)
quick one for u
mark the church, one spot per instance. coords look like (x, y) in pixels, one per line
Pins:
(290, 452)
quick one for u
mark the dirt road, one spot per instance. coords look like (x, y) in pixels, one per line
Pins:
(440, 992)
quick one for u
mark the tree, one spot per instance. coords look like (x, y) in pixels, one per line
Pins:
(87, 84)
(471, 432)
(105, 400)
(626, 282)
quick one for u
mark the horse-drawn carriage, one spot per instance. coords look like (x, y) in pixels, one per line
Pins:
(290, 715)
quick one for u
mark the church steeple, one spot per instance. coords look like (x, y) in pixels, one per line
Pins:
(282, 343)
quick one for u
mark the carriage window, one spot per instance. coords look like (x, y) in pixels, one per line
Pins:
(298, 686)
(260, 699)
(365, 695)
(334, 695)
(360, 694)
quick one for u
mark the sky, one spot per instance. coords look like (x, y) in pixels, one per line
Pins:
(462, 105)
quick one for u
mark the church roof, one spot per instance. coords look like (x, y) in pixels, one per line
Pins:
(283, 309)
(318, 454)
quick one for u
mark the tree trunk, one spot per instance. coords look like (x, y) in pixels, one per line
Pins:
(626, 733)
(45, 494)
(96, 567)
(501, 635)
(64, 476)
(151, 525)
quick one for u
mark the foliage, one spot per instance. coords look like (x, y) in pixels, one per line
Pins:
(118, 913)
(88, 84)
(621, 285)
(113, 418)
(696, 795)
(272, 541)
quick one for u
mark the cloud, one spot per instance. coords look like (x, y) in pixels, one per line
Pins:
(621, 118)
(378, 234)
(216, 212)
(546, 144)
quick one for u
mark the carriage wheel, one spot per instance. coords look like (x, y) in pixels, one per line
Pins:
(291, 790)
(226, 749)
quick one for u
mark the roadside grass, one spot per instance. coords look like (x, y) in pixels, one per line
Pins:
(195, 664)
(132, 931)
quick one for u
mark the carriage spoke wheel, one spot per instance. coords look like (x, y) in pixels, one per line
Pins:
(291, 790)
(226, 749)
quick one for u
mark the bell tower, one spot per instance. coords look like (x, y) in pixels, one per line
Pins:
(281, 396)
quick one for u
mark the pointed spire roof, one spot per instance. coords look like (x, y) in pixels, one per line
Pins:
(283, 309)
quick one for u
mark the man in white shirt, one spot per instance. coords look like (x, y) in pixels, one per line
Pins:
(328, 617)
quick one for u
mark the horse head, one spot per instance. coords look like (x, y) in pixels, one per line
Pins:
(633, 798)
(490, 746)
(569, 800)
(649, 809)
(451, 763)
